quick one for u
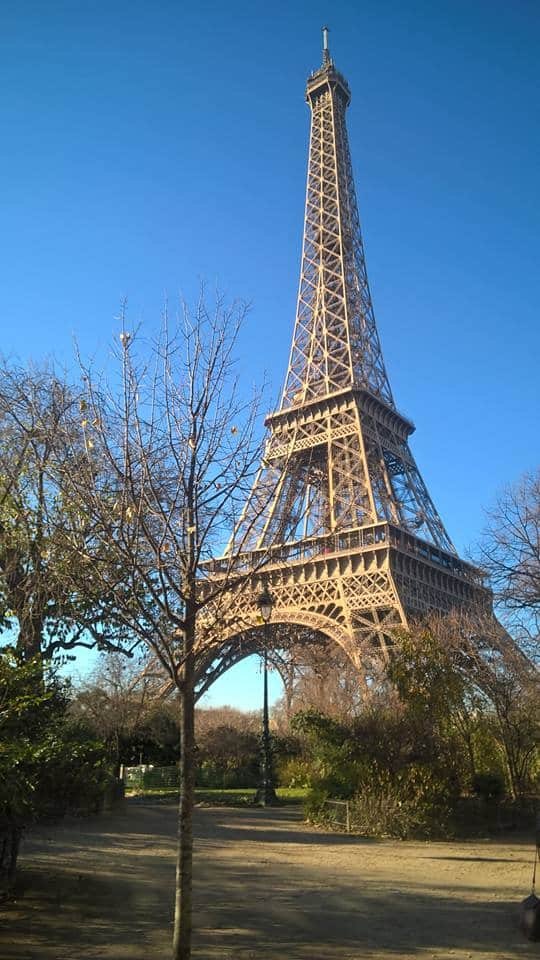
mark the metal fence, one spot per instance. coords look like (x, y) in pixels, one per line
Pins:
(146, 776)
(339, 812)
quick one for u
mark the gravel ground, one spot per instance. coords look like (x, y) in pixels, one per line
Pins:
(266, 886)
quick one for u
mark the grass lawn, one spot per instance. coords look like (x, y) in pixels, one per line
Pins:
(224, 798)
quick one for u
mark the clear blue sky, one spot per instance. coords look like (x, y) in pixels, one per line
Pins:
(147, 145)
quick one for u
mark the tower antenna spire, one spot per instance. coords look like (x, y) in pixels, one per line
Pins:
(325, 50)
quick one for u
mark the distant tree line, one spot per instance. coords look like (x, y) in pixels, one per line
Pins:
(119, 705)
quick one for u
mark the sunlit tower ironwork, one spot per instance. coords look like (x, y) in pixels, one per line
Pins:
(354, 544)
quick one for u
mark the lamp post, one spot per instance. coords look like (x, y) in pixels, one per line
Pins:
(266, 795)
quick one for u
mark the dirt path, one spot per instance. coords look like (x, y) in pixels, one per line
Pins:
(267, 886)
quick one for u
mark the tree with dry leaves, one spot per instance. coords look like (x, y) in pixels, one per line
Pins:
(39, 523)
(462, 673)
(171, 449)
(510, 553)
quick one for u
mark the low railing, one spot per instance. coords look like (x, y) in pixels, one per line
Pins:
(344, 806)
(147, 776)
(363, 538)
(425, 550)
(306, 549)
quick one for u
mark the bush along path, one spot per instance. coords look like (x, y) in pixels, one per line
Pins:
(48, 765)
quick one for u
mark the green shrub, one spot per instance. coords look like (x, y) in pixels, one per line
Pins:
(315, 805)
(228, 758)
(47, 766)
(489, 786)
(415, 802)
(294, 772)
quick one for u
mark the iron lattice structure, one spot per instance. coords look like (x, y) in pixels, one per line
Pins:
(353, 543)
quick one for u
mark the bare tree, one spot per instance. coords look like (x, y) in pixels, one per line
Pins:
(39, 526)
(169, 460)
(317, 675)
(115, 701)
(510, 553)
(505, 686)
(208, 719)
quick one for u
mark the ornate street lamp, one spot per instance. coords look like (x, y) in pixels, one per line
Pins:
(266, 795)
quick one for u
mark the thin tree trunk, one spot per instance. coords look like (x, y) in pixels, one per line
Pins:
(14, 853)
(184, 859)
(467, 737)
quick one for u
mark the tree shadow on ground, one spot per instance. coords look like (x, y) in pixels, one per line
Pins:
(103, 889)
(483, 859)
(304, 919)
(249, 825)
(62, 915)
(241, 914)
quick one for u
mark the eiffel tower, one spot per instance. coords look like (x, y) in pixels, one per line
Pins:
(354, 543)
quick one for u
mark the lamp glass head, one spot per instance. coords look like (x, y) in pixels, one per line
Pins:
(265, 602)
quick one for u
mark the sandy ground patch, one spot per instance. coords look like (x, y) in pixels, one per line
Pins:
(266, 886)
